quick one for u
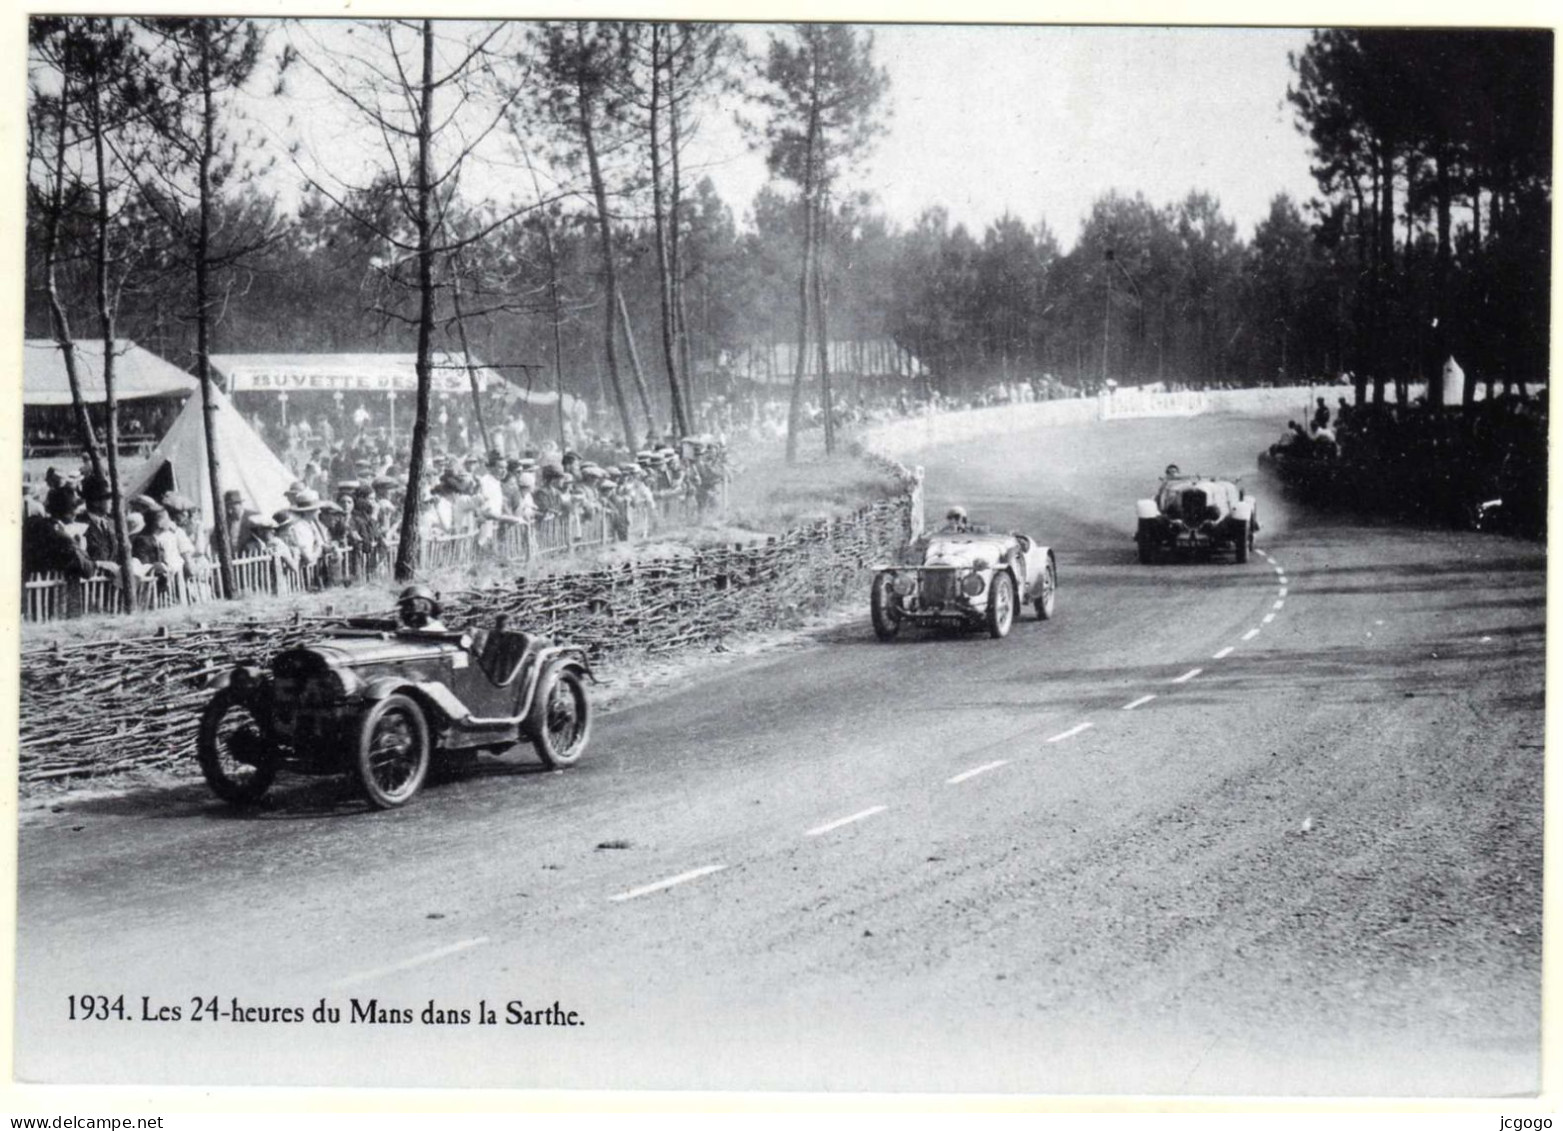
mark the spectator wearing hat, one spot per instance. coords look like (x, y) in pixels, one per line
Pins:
(48, 545)
(234, 518)
(364, 533)
(384, 505)
(548, 497)
(304, 532)
(490, 495)
(145, 555)
(102, 541)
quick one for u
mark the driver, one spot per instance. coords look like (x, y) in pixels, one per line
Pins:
(1172, 472)
(419, 608)
(955, 521)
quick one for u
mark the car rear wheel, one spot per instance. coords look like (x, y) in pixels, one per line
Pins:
(234, 754)
(882, 604)
(393, 752)
(1245, 542)
(1001, 605)
(560, 721)
(1044, 603)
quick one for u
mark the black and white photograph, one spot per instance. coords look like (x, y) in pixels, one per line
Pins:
(660, 555)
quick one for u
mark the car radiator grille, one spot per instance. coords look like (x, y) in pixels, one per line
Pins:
(938, 587)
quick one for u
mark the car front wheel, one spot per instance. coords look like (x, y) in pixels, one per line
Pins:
(393, 752)
(1001, 605)
(560, 720)
(234, 754)
(882, 606)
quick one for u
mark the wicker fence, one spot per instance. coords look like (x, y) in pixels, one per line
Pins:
(110, 706)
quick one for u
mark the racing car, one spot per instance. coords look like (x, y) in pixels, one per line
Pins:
(377, 699)
(1194, 513)
(964, 576)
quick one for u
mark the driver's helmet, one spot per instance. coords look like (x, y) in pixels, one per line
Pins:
(418, 605)
(956, 517)
(1173, 471)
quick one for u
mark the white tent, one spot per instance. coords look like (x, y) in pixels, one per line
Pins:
(248, 465)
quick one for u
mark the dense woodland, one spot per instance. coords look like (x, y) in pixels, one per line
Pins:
(155, 212)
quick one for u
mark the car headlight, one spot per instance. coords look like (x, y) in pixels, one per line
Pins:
(972, 584)
(904, 585)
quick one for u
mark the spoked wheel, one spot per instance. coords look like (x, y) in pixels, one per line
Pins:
(235, 756)
(1044, 603)
(560, 721)
(885, 608)
(393, 752)
(1001, 605)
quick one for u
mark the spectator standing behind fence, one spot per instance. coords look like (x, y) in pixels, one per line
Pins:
(265, 541)
(304, 532)
(102, 544)
(235, 518)
(183, 524)
(47, 543)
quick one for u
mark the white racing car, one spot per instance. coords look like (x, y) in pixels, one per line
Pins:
(964, 576)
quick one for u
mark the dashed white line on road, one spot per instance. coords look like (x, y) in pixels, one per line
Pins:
(1260, 552)
(1223, 654)
(1281, 592)
(1279, 605)
(1070, 733)
(1276, 566)
(969, 774)
(408, 964)
(1283, 579)
(1140, 702)
(822, 829)
(1267, 618)
(1250, 634)
(662, 885)
(1188, 675)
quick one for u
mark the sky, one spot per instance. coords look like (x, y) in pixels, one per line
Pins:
(1033, 121)
(1039, 122)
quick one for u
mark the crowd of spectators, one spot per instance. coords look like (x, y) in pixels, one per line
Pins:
(344, 514)
(1422, 461)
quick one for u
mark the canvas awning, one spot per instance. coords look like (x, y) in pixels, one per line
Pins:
(345, 373)
(138, 373)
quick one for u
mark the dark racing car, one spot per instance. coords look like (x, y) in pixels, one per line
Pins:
(1194, 513)
(377, 699)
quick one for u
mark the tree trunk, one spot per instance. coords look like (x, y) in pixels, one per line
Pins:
(686, 367)
(605, 239)
(806, 203)
(127, 582)
(466, 353)
(203, 318)
(822, 331)
(635, 367)
(62, 325)
(407, 544)
(664, 279)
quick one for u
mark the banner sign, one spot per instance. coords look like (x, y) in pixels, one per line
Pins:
(362, 374)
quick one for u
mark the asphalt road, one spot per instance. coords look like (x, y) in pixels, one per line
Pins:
(1272, 828)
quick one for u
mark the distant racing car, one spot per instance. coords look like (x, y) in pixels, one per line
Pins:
(964, 576)
(1193, 513)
